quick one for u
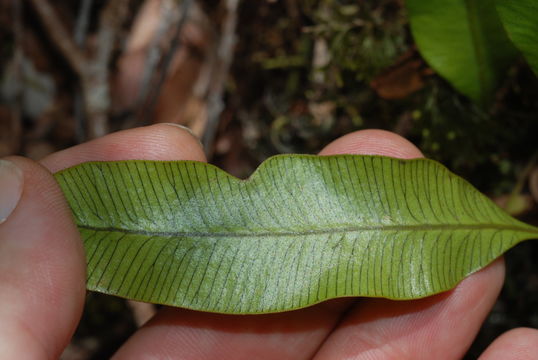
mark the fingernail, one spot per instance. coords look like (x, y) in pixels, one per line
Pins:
(189, 130)
(11, 182)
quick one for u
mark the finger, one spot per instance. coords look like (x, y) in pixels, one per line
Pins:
(42, 263)
(185, 334)
(438, 327)
(441, 326)
(156, 142)
(517, 344)
(296, 335)
(42, 266)
(373, 142)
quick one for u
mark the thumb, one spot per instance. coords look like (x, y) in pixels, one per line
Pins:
(42, 266)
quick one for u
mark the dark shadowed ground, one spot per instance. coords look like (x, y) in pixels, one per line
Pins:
(302, 73)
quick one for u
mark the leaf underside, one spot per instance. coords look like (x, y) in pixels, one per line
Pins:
(464, 41)
(520, 19)
(302, 229)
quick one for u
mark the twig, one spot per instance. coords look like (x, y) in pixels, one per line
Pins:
(169, 15)
(93, 73)
(110, 22)
(83, 20)
(223, 61)
(60, 36)
(155, 90)
(81, 30)
(95, 79)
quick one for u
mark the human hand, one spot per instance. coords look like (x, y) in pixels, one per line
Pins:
(42, 277)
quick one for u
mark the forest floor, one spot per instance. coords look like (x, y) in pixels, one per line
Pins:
(302, 74)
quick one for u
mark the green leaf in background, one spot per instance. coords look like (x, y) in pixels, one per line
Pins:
(520, 19)
(302, 229)
(464, 41)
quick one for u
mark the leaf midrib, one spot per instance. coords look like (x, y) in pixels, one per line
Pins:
(419, 227)
(477, 44)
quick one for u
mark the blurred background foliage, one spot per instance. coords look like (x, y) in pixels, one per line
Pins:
(297, 75)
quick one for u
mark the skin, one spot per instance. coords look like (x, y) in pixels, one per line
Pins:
(42, 276)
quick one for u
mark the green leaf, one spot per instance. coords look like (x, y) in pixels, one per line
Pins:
(520, 19)
(300, 230)
(464, 41)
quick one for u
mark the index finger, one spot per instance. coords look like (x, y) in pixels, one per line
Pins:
(156, 142)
